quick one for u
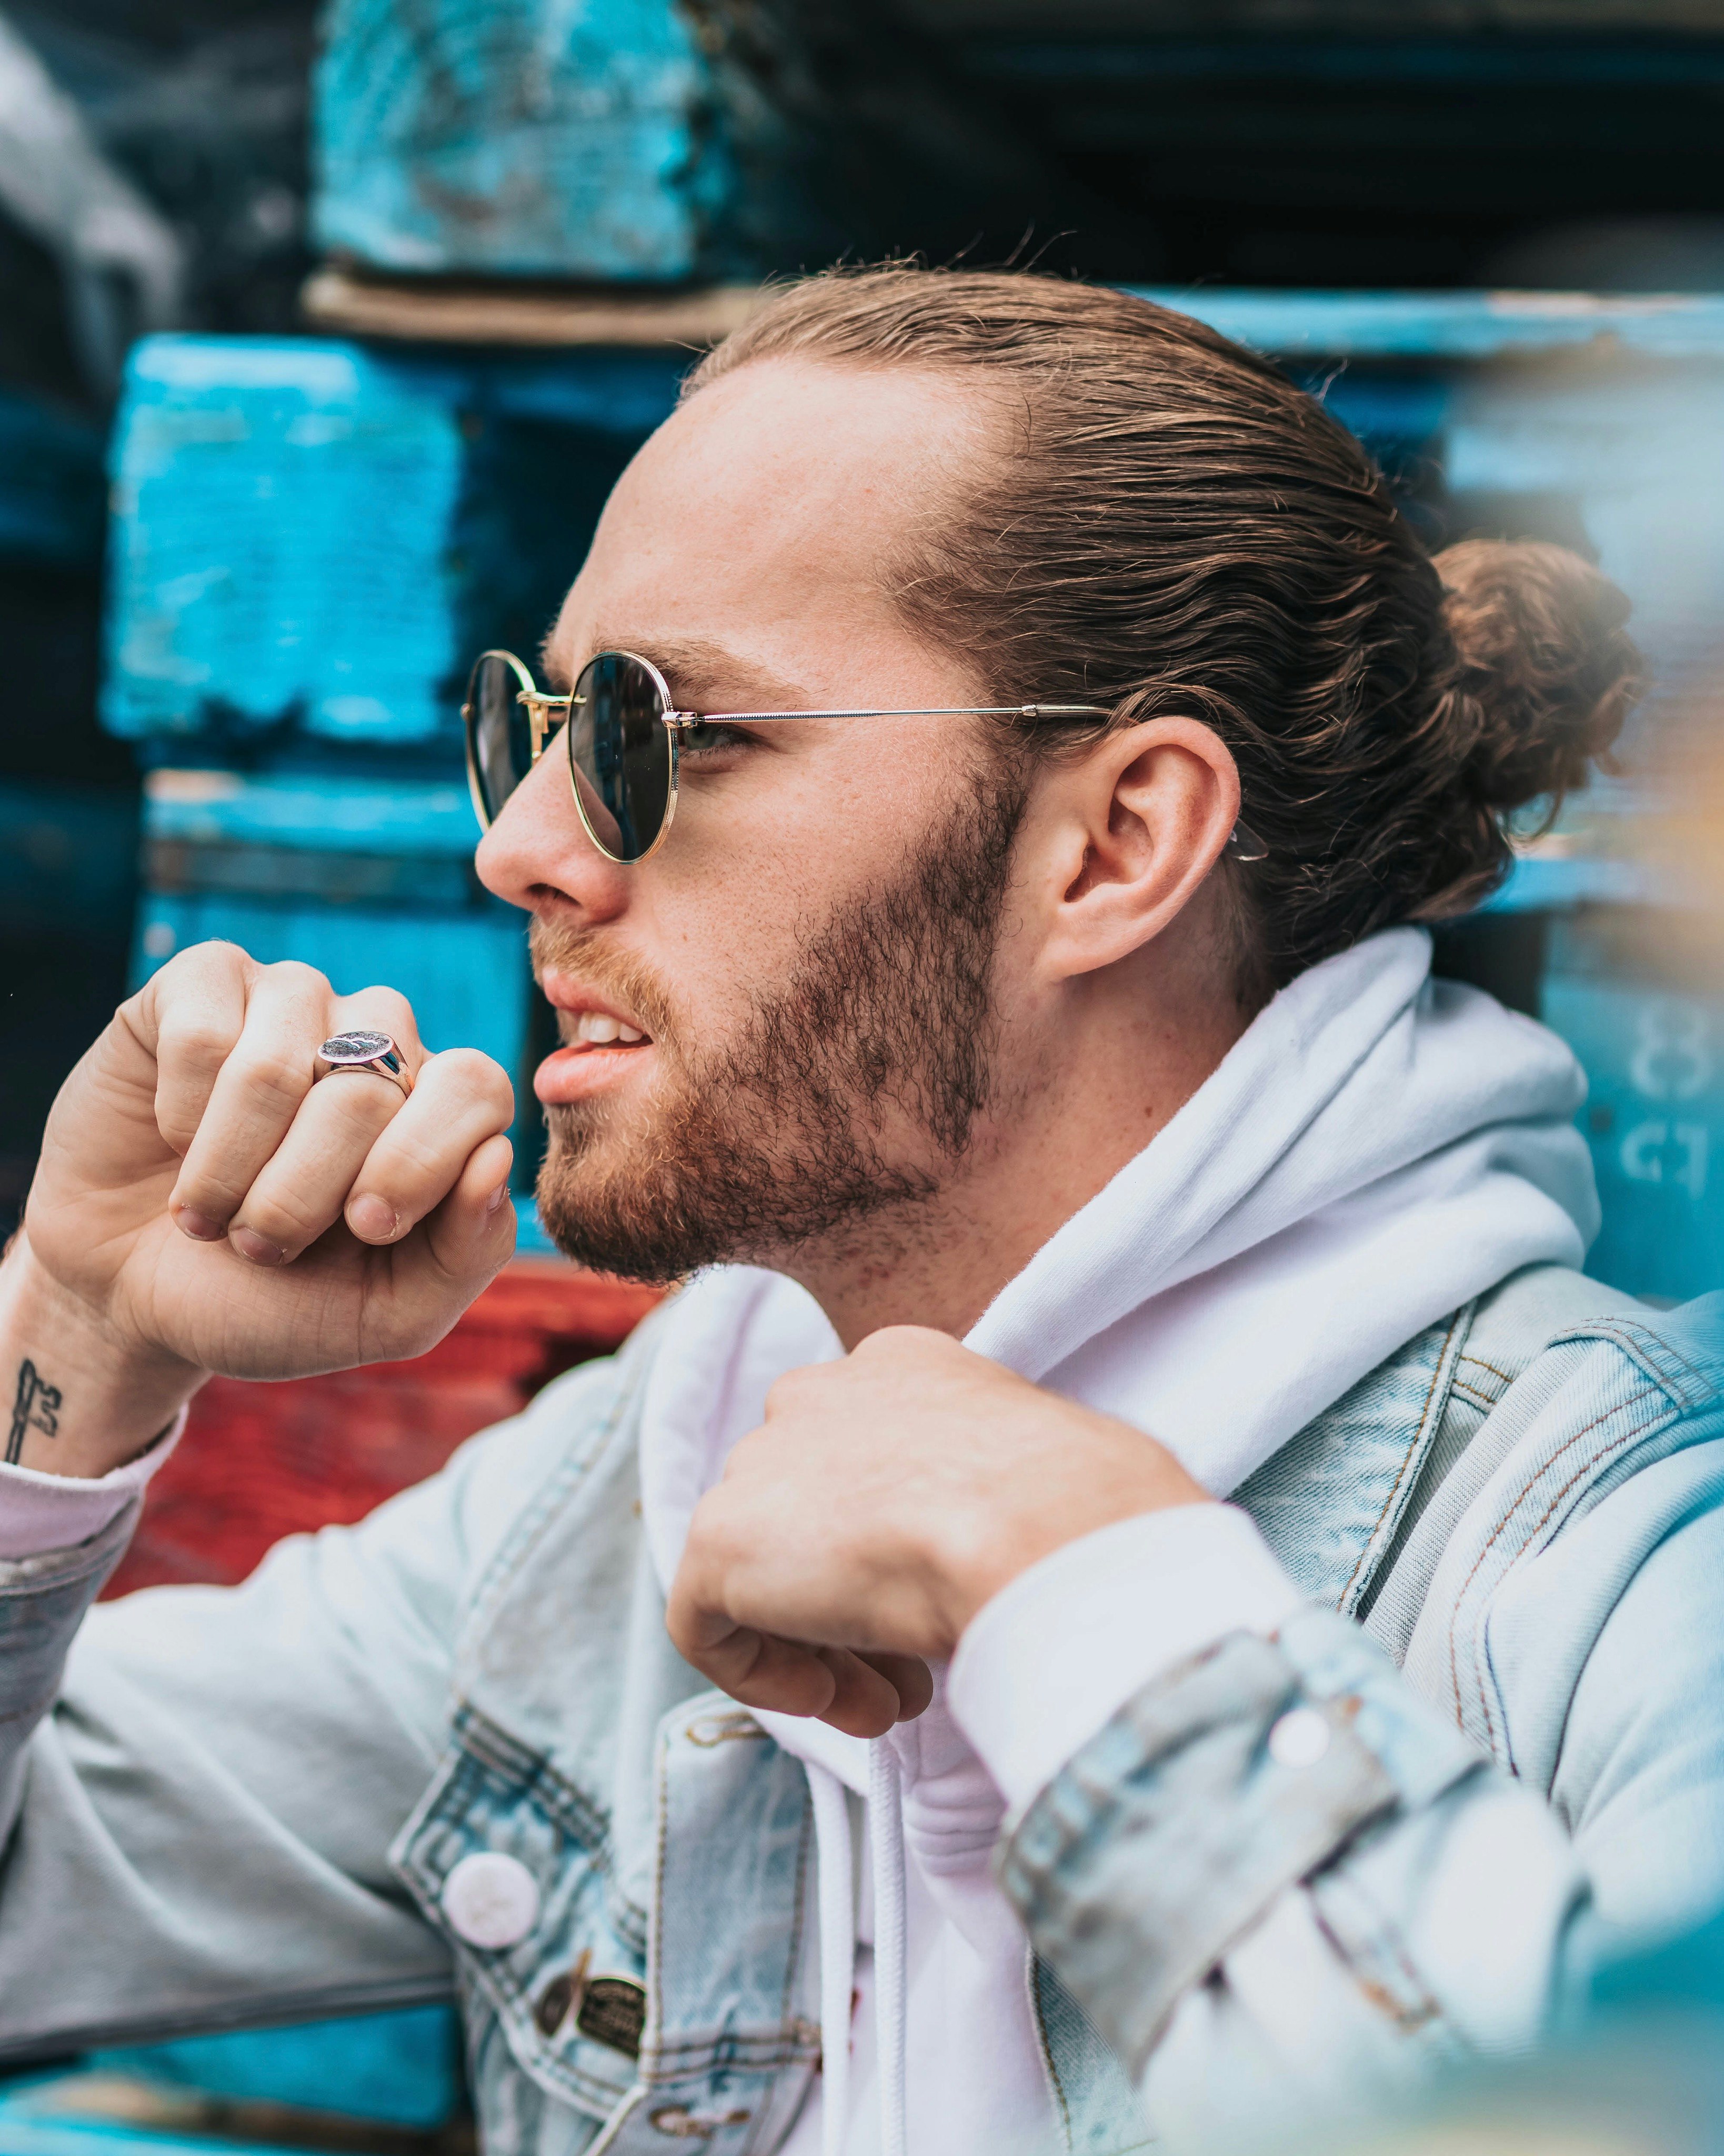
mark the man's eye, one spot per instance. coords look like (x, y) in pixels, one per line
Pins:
(708, 740)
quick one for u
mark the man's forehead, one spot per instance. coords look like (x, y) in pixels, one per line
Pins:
(777, 493)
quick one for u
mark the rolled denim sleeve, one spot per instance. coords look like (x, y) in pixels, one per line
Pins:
(1276, 1876)
(43, 1601)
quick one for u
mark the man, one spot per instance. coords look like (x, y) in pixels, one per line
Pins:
(1020, 1024)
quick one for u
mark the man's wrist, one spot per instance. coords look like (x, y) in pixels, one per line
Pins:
(76, 1399)
(977, 1553)
(1061, 1649)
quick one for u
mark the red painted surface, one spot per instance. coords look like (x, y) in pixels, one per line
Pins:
(257, 1461)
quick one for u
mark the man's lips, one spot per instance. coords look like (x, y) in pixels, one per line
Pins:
(606, 1040)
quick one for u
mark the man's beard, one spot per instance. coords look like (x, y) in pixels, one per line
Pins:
(801, 1127)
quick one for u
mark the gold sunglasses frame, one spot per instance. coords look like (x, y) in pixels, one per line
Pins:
(541, 726)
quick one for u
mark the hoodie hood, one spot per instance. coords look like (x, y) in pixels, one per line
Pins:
(1375, 1150)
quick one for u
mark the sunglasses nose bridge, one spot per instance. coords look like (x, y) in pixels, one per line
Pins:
(543, 715)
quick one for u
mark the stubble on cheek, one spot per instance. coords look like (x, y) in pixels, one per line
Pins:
(844, 1095)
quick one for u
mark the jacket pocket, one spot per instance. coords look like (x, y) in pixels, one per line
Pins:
(512, 1865)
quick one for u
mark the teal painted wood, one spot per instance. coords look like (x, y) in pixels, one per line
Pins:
(311, 812)
(1654, 1113)
(464, 972)
(516, 137)
(52, 493)
(310, 538)
(402, 2069)
(1538, 884)
(26, 2130)
(1466, 325)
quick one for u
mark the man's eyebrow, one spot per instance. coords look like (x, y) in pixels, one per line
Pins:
(699, 667)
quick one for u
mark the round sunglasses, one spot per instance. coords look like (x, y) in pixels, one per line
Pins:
(625, 736)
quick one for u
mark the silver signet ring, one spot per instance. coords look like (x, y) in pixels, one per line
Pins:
(375, 1052)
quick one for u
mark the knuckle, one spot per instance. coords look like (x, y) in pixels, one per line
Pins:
(285, 1216)
(208, 1191)
(215, 955)
(410, 1162)
(272, 1075)
(197, 1042)
(296, 977)
(791, 1391)
(475, 1073)
(392, 1010)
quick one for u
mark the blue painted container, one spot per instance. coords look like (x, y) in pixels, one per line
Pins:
(368, 880)
(517, 138)
(400, 2070)
(311, 540)
(1653, 1053)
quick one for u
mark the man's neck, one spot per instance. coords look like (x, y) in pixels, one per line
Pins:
(1093, 1109)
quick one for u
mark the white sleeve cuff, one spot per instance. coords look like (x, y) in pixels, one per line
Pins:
(43, 1512)
(1056, 1653)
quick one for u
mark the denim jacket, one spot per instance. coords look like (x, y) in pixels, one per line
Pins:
(238, 1805)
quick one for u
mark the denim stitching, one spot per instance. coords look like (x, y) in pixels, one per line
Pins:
(1629, 1437)
(796, 1912)
(1046, 2048)
(1514, 1503)
(1593, 1461)
(1414, 1451)
(528, 1774)
(656, 1961)
(1380, 1938)
(1662, 1361)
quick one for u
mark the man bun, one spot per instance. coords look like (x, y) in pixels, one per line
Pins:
(1546, 662)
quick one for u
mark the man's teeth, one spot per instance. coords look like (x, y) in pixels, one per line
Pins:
(598, 1029)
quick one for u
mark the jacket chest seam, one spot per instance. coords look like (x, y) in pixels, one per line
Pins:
(1589, 1465)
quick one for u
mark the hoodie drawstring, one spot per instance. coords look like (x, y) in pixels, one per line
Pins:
(837, 1886)
(885, 1840)
(837, 1889)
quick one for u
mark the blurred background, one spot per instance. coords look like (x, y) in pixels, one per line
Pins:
(326, 329)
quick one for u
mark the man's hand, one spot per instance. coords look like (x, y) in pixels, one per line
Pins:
(884, 1499)
(202, 1205)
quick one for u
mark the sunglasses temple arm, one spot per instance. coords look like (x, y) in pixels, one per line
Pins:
(911, 711)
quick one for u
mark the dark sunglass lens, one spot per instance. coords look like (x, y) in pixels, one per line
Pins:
(619, 750)
(499, 737)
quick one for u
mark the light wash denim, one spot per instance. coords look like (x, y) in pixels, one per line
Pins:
(244, 1803)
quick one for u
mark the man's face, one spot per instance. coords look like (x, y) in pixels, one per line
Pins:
(812, 959)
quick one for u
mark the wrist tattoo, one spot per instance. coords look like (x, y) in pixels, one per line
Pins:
(36, 1406)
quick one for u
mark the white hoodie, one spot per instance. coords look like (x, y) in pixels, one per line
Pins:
(1376, 1149)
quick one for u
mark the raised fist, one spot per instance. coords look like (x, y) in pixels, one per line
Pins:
(205, 1202)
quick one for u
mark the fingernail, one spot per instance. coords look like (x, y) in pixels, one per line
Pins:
(373, 1219)
(496, 1198)
(198, 1225)
(259, 1249)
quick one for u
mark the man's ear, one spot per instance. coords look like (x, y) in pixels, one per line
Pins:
(1127, 833)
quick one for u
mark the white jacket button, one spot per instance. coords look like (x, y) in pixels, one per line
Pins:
(490, 1900)
(1299, 1738)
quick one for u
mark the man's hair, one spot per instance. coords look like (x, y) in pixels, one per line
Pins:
(1172, 525)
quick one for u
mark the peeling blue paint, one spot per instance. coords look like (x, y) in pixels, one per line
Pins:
(553, 138)
(311, 537)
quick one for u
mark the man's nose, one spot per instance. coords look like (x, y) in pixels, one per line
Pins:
(537, 851)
